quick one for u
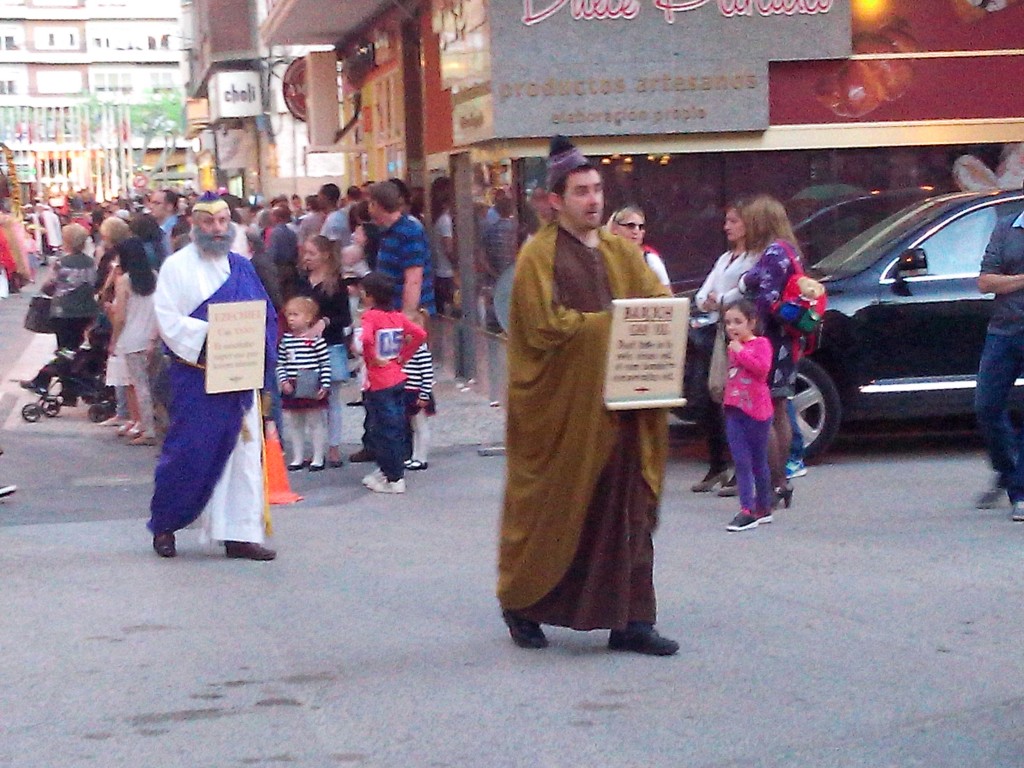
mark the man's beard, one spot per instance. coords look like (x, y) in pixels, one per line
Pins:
(213, 245)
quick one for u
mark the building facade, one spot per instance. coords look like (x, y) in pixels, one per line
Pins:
(684, 104)
(69, 70)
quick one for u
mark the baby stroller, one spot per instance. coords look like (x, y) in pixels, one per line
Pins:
(74, 375)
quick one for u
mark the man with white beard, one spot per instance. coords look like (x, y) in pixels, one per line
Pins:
(211, 464)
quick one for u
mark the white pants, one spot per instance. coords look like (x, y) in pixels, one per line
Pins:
(420, 436)
(296, 424)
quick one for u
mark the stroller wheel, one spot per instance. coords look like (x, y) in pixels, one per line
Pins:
(99, 412)
(51, 407)
(32, 413)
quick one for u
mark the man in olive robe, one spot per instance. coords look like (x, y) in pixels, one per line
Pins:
(583, 482)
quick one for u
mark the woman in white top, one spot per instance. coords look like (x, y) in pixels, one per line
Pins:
(720, 288)
(135, 331)
(442, 244)
(629, 222)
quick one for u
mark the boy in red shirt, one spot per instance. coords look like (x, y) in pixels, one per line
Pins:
(389, 339)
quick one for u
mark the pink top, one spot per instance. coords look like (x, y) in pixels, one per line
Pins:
(389, 340)
(746, 387)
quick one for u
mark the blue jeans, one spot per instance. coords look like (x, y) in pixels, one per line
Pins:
(1002, 363)
(385, 411)
(796, 445)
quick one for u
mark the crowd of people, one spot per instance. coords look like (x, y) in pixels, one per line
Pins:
(348, 282)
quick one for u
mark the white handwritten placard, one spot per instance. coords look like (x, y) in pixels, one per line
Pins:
(235, 346)
(646, 354)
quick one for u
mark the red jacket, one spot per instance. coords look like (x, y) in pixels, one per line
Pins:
(389, 340)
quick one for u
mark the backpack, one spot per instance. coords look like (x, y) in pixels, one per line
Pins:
(800, 309)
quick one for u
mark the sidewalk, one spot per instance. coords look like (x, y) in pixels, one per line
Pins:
(464, 414)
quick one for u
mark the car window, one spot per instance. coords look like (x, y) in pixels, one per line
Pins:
(956, 249)
(862, 251)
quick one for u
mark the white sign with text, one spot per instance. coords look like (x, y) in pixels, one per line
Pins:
(646, 354)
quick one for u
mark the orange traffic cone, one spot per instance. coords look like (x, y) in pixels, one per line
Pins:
(278, 489)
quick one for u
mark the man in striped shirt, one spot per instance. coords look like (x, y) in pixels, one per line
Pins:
(404, 251)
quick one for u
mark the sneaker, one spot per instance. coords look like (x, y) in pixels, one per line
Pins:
(711, 481)
(993, 498)
(795, 468)
(744, 521)
(375, 476)
(383, 485)
(7, 490)
(729, 487)
(763, 518)
(1018, 512)
(113, 421)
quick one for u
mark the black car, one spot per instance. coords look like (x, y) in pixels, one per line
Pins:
(905, 324)
(821, 230)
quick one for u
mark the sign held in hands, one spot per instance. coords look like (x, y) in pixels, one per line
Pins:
(646, 352)
(235, 346)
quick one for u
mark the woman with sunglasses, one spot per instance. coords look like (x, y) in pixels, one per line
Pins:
(629, 222)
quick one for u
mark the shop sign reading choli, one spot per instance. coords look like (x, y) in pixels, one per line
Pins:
(235, 94)
(613, 67)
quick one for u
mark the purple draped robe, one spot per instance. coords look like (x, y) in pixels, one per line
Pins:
(204, 428)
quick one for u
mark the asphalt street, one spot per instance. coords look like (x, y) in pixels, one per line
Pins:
(873, 624)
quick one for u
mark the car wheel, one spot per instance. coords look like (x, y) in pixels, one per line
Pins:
(818, 410)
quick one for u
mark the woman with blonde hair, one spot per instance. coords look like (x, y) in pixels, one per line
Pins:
(629, 222)
(770, 234)
(324, 285)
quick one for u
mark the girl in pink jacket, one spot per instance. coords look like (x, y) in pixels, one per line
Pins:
(748, 415)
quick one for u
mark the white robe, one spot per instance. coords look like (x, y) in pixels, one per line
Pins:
(235, 510)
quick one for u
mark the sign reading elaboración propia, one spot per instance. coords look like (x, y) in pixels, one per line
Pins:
(613, 67)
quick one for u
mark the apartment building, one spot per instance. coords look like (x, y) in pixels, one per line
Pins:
(69, 69)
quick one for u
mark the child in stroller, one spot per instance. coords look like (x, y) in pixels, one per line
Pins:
(74, 375)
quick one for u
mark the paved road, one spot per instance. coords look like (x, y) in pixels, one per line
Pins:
(874, 624)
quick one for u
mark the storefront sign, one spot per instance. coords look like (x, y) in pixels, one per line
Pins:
(472, 119)
(293, 88)
(646, 353)
(325, 164)
(608, 67)
(235, 94)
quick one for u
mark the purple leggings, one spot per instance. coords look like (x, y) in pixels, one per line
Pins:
(748, 442)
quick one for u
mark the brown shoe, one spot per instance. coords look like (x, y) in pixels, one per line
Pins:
(163, 545)
(361, 456)
(247, 550)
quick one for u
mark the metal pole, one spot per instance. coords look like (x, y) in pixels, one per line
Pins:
(465, 228)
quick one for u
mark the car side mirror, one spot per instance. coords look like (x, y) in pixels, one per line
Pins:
(912, 263)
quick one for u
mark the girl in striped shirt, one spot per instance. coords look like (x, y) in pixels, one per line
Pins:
(304, 375)
(419, 401)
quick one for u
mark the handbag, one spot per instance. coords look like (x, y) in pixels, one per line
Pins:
(38, 319)
(718, 369)
(307, 384)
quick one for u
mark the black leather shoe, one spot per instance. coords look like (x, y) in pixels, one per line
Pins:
(247, 550)
(644, 640)
(163, 545)
(525, 633)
